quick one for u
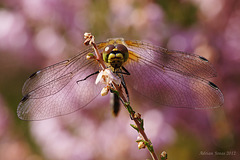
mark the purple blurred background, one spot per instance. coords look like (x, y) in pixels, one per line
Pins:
(38, 33)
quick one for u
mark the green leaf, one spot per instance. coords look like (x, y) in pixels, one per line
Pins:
(134, 126)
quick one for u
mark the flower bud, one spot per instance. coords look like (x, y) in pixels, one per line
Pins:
(140, 142)
(163, 155)
(90, 56)
(87, 35)
(105, 91)
(137, 115)
(139, 138)
(141, 145)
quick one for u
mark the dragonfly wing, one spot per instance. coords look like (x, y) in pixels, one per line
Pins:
(172, 89)
(54, 91)
(56, 71)
(177, 80)
(181, 62)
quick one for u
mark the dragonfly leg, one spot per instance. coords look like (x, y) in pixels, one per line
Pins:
(122, 79)
(125, 71)
(88, 76)
(125, 87)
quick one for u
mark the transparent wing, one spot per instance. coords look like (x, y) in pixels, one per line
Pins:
(171, 78)
(181, 62)
(54, 91)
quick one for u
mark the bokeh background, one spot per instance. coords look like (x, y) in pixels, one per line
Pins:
(38, 33)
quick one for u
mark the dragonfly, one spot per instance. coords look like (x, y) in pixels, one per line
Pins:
(167, 77)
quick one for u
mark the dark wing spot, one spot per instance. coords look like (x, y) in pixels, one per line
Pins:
(213, 85)
(202, 58)
(25, 98)
(34, 74)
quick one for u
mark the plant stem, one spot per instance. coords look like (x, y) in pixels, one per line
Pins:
(141, 130)
(117, 89)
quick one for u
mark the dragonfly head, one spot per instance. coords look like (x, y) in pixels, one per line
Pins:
(115, 55)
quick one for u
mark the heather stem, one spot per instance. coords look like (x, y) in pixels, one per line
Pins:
(139, 125)
(136, 117)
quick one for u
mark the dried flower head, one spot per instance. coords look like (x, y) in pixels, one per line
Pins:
(107, 77)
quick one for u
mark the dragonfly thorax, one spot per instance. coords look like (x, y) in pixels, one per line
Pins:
(115, 55)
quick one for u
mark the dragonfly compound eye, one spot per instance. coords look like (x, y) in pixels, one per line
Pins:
(107, 50)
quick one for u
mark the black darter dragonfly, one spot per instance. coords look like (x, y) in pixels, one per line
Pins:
(168, 77)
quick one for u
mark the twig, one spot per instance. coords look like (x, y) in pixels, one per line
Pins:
(90, 40)
(139, 127)
(117, 89)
